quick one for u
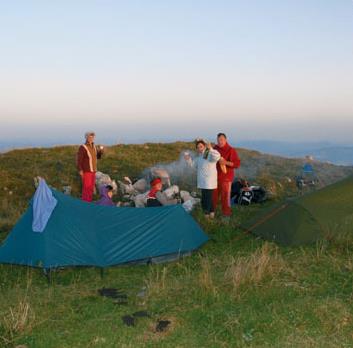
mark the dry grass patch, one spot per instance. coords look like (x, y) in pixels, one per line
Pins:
(16, 321)
(252, 269)
(334, 316)
(205, 277)
(156, 281)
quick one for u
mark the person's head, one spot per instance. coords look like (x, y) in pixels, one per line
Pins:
(200, 145)
(89, 136)
(156, 184)
(221, 139)
(109, 191)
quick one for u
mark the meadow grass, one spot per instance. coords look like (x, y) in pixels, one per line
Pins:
(236, 291)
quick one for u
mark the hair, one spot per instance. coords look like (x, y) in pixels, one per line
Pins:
(200, 141)
(109, 188)
(87, 134)
(221, 135)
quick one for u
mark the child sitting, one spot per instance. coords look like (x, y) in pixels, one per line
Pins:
(106, 195)
(155, 197)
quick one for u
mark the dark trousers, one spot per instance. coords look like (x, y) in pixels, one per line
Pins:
(206, 201)
(152, 202)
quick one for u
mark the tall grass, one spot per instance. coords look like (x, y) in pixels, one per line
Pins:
(254, 268)
(205, 276)
(16, 321)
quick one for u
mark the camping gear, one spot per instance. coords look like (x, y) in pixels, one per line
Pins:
(85, 234)
(259, 194)
(245, 194)
(308, 218)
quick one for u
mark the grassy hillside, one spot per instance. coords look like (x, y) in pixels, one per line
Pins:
(57, 166)
(237, 291)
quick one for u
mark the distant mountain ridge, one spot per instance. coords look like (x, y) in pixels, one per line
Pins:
(321, 151)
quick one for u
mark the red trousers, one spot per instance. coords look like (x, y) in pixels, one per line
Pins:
(223, 191)
(88, 182)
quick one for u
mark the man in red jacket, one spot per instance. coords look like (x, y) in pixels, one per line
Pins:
(87, 165)
(225, 170)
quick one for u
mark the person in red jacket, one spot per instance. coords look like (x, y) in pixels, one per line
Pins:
(225, 170)
(87, 157)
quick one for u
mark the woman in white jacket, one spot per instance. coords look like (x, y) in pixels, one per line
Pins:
(205, 164)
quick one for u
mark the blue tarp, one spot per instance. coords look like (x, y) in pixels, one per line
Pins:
(43, 205)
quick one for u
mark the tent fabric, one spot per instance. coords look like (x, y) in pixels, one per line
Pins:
(84, 234)
(43, 205)
(306, 219)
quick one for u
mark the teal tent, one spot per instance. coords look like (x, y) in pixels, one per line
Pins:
(84, 234)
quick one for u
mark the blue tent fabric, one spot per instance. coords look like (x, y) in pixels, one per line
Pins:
(43, 205)
(85, 234)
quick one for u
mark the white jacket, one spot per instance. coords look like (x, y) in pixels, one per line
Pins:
(206, 170)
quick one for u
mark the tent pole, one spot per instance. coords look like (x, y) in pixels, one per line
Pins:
(46, 272)
(102, 272)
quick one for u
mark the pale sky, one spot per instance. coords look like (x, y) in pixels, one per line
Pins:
(168, 70)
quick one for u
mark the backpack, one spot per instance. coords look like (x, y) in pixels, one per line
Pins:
(244, 194)
(236, 189)
(259, 194)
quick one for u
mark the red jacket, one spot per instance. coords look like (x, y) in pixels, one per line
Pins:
(230, 155)
(87, 156)
(152, 194)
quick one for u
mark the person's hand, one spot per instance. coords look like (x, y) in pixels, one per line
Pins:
(81, 173)
(209, 146)
(222, 161)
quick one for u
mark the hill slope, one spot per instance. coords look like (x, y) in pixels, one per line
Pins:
(237, 291)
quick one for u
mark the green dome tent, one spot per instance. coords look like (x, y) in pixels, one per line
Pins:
(84, 234)
(308, 218)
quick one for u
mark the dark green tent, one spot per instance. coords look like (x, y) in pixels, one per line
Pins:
(84, 234)
(306, 219)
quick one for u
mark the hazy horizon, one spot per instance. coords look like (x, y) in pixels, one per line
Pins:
(144, 71)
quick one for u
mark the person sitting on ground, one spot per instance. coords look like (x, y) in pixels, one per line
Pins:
(155, 197)
(106, 196)
(206, 166)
